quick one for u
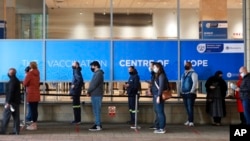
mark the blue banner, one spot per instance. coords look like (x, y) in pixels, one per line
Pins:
(18, 54)
(140, 54)
(209, 56)
(61, 54)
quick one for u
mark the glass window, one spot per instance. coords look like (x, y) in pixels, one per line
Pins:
(199, 21)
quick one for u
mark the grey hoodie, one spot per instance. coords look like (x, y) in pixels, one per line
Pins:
(96, 84)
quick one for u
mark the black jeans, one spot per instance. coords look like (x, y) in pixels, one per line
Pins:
(16, 119)
(76, 108)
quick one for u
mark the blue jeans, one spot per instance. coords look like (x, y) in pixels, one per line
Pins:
(160, 114)
(96, 102)
(246, 107)
(188, 100)
(28, 116)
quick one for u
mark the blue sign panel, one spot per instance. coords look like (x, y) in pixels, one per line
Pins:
(2, 29)
(61, 54)
(18, 54)
(213, 29)
(140, 54)
(209, 56)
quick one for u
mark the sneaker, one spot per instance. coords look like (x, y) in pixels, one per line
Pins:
(160, 131)
(33, 126)
(186, 123)
(76, 122)
(135, 127)
(95, 128)
(191, 124)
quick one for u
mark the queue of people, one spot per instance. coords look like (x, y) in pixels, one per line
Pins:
(216, 89)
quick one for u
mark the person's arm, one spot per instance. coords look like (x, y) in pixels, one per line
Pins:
(161, 85)
(195, 82)
(79, 80)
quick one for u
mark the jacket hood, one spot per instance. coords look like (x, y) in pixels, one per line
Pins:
(100, 71)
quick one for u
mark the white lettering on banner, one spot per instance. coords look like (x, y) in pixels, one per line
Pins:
(141, 63)
(68, 63)
(27, 62)
(197, 63)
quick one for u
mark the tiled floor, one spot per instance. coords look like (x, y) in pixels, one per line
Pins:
(63, 131)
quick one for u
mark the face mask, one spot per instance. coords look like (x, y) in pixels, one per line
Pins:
(242, 74)
(8, 75)
(156, 70)
(130, 73)
(73, 67)
(92, 69)
(187, 67)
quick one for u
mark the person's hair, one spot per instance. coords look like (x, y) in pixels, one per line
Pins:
(77, 63)
(132, 67)
(27, 69)
(95, 63)
(12, 71)
(33, 65)
(161, 70)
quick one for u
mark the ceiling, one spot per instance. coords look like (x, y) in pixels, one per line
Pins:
(132, 4)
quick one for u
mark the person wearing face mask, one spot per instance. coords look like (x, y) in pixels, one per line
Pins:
(244, 90)
(189, 82)
(159, 84)
(12, 102)
(96, 91)
(216, 89)
(132, 87)
(75, 92)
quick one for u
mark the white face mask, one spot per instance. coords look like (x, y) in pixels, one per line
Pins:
(155, 69)
(242, 74)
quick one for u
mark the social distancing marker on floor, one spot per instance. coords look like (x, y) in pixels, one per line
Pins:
(77, 128)
(112, 111)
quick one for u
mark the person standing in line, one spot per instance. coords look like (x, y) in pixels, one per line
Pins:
(75, 92)
(133, 88)
(96, 91)
(12, 103)
(156, 122)
(189, 82)
(216, 88)
(159, 84)
(239, 102)
(32, 84)
(244, 90)
(28, 118)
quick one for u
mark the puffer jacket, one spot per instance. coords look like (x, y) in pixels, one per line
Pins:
(32, 84)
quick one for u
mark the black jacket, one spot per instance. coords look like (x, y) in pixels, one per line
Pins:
(134, 84)
(13, 95)
(245, 87)
(77, 81)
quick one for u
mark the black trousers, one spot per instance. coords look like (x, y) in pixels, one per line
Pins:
(16, 119)
(76, 108)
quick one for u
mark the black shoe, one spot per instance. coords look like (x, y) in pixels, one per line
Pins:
(152, 127)
(95, 128)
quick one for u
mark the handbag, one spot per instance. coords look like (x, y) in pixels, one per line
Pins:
(166, 94)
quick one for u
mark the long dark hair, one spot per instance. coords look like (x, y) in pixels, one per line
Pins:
(161, 70)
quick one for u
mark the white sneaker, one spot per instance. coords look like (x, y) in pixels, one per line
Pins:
(186, 123)
(191, 124)
(160, 131)
(33, 126)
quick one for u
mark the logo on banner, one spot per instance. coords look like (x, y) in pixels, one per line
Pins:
(221, 48)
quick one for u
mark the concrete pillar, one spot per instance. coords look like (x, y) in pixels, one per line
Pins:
(2, 10)
(11, 18)
(213, 10)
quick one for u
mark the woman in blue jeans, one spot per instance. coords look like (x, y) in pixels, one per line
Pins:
(159, 84)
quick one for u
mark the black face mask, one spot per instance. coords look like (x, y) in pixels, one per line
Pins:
(73, 67)
(9, 75)
(131, 73)
(92, 69)
(187, 67)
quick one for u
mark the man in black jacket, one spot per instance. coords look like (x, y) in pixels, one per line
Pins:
(133, 87)
(12, 103)
(245, 92)
(75, 92)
